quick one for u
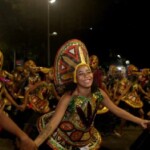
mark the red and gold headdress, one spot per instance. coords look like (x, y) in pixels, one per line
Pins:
(70, 55)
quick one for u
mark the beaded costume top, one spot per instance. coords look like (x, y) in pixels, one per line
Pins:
(76, 128)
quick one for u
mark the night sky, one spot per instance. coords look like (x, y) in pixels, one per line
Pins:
(121, 26)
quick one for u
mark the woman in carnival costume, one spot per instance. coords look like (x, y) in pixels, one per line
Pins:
(6, 98)
(129, 95)
(71, 125)
(98, 79)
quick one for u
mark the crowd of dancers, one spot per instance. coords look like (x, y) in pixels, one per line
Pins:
(30, 91)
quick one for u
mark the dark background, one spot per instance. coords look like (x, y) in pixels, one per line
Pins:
(118, 27)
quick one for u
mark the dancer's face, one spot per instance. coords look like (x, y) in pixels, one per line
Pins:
(94, 62)
(84, 76)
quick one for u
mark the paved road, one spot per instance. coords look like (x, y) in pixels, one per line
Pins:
(110, 142)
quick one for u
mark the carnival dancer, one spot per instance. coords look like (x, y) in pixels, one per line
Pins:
(98, 79)
(103, 112)
(71, 125)
(49, 92)
(5, 98)
(98, 73)
(129, 97)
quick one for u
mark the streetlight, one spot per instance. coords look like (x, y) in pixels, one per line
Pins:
(48, 33)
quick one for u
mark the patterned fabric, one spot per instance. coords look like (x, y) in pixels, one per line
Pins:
(132, 98)
(68, 56)
(38, 98)
(76, 128)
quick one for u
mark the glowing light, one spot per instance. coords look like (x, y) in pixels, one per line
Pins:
(52, 1)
